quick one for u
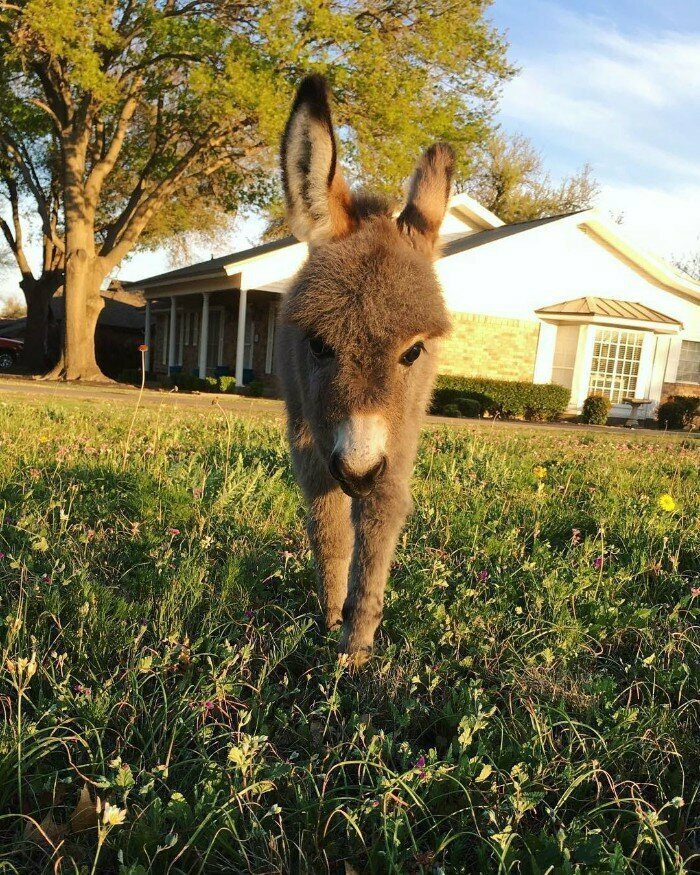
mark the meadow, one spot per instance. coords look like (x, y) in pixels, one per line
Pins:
(170, 704)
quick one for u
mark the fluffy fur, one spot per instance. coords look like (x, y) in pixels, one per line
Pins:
(367, 295)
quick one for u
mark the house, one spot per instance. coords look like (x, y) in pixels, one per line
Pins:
(563, 299)
(119, 330)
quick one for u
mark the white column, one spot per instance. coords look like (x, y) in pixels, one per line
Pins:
(582, 367)
(172, 335)
(240, 338)
(544, 359)
(147, 336)
(204, 336)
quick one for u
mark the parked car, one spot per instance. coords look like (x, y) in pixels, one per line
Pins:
(9, 352)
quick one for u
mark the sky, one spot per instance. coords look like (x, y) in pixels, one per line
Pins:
(615, 83)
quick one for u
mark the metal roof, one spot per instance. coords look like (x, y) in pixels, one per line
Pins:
(608, 307)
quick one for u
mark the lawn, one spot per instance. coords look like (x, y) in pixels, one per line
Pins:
(532, 707)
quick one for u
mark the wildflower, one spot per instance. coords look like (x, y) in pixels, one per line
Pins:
(208, 705)
(143, 348)
(540, 472)
(2, 555)
(419, 763)
(576, 536)
(112, 815)
(80, 690)
(174, 531)
(483, 576)
(248, 614)
(598, 563)
(695, 591)
(45, 578)
(197, 491)
(667, 503)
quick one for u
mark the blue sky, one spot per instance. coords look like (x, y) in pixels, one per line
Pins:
(615, 83)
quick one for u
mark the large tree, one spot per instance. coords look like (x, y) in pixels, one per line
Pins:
(149, 99)
(509, 178)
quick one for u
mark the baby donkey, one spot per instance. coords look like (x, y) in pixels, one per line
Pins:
(358, 357)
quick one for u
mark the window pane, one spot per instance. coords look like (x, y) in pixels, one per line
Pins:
(689, 362)
(615, 364)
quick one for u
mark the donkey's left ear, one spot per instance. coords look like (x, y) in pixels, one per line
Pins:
(428, 194)
(319, 206)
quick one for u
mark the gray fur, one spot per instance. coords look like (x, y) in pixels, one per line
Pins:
(368, 292)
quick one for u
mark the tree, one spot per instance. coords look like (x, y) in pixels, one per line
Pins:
(509, 179)
(151, 101)
(12, 308)
(689, 263)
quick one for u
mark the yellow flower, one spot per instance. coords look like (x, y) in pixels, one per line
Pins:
(113, 816)
(540, 472)
(667, 503)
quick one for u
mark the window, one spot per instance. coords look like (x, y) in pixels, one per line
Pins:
(689, 362)
(615, 365)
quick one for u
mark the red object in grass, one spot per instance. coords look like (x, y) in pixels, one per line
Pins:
(143, 348)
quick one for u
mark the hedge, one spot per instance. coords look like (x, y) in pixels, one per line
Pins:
(678, 411)
(504, 398)
(596, 409)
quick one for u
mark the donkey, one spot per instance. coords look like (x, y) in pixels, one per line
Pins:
(358, 356)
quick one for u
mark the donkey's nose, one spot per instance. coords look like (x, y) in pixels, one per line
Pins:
(353, 483)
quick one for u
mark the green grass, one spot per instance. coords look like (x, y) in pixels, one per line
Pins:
(532, 706)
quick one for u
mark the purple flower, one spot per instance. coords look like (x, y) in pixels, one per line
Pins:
(419, 763)
(248, 614)
(483, 576)
(2, 555)
(80, 690)
(576, 536)
(208, 705)
(598, 563)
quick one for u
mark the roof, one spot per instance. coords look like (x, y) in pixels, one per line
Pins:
(213, 264)
(452, 244)
(115, 313)
(608, 307)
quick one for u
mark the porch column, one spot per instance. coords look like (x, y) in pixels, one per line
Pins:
(204, 336)
(240, 337)
(172, 334)
(147, 337)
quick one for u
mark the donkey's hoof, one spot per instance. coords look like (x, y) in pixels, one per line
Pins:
(352, 655)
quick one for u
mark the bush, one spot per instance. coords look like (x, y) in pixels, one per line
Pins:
(469, 407)
(678, 411)
(256, 388)
(504, 398)
(595, 410)
(211, 384)
(451, 410)
(227, 384)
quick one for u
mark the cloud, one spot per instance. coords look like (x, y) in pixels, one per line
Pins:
(631, 101)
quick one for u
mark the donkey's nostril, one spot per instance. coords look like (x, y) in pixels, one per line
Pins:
(354, 484)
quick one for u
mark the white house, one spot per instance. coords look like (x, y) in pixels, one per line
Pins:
(564, 299)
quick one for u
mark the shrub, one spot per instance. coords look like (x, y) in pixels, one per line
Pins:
(469, 407)
(227, 384)
(211, 384)
(451, 410)
(256, 388)
(504, 398)
(595, 410)
(678, 412)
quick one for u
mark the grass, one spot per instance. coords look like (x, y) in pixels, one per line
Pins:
(533, 705)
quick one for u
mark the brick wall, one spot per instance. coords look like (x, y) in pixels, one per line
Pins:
(490, 346)
(687, 389)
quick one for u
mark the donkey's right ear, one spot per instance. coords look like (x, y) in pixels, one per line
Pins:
(428, 194)
(319, 206)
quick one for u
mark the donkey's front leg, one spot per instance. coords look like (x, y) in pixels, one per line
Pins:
(331, 536)
(377, 519)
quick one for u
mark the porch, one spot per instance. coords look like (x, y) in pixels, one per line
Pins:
(213, 333)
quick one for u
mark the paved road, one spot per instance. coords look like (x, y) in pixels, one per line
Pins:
(265, 408)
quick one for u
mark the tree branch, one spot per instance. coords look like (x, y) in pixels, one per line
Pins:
(104, 166)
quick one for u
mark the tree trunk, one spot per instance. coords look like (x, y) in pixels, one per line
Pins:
(83, 303)
(38, 294)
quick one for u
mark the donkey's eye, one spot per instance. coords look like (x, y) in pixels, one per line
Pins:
(319, 348)
(412, 354)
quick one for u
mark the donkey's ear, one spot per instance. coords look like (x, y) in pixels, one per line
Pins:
(428, 194)
(319, 206)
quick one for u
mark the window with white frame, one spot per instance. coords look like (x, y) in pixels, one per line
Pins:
(615, 364)
(689, 362)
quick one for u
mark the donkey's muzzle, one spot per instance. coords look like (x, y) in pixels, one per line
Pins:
(353, 484)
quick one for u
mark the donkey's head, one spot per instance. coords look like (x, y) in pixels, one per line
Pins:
(365, 312)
